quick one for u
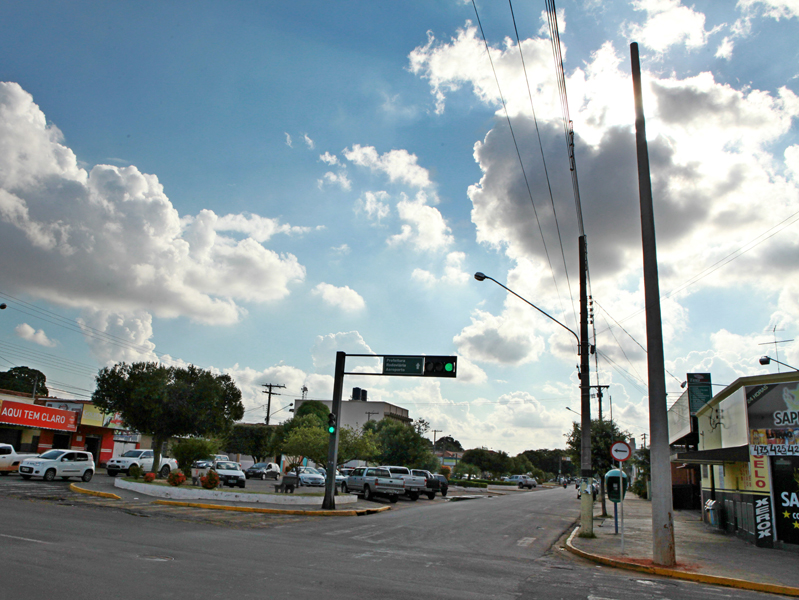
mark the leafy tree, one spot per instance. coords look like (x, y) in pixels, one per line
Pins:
(489, 461)
(640, 460)
(313, 407)
(252, 439)
(520, 464)
(310, 442)
(25, 380)
(188, 450)
(169, 401)
(448, 444)
(603, 434)
(464, 470)
(551, 461)
(401, 444)
(356, 445)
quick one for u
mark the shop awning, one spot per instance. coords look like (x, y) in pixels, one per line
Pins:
(717, 456)
(40, 417)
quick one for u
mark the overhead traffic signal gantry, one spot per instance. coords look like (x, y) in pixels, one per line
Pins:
(440, 366)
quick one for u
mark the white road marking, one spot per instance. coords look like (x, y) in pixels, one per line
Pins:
(525, 542)
(14, 537)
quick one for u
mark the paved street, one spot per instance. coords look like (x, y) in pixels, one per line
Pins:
(502, 547)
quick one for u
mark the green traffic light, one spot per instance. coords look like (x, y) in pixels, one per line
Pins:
(448, 367)
(331, 429)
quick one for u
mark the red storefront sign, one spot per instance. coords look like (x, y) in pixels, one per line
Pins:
(33, 415)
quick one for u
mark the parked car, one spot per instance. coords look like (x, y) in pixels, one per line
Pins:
(374, 481)
(339, 477)
(414, 485)
(140, 458)
(10, 459)
(59, 463)
(443, 483)
(230, 473)
(310, 477)
(262, 471)
(527, 482)
(431, 484)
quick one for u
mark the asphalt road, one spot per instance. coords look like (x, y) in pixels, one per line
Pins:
(500, 548)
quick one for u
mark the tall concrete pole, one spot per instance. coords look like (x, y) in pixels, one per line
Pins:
(586, 472)
(662, 509)
(329, 501)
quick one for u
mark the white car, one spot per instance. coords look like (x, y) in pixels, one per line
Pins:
(311, 477)
(230, 473)
(59, 463)
(139, 458)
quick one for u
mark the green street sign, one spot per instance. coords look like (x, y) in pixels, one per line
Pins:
(403, 365)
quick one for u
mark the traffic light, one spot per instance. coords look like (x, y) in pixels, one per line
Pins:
(331, 423)
(440, 366)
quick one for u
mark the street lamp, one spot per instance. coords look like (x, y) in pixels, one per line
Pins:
(482, 276)
(583, 347)
(574, 411)
(764, 360)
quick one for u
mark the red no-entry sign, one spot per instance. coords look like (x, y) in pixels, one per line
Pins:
(620, 451)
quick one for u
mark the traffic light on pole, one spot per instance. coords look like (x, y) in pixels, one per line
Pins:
(331, 423)
(440, 366)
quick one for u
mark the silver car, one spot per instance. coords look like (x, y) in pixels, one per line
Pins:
(311, 477)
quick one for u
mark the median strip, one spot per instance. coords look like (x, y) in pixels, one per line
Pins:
(278, 511)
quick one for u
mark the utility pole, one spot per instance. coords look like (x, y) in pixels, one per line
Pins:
(329, 501)
(586, 471)
(435, 431)
(643, 435)
(269, 398)
(662, 508)
(599, 389)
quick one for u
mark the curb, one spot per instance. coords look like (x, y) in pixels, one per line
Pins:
(356, 512)
(685, 575)
(75, 488)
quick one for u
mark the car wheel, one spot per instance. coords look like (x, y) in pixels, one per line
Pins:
(367, 493)
(164, 471)
(112, 473)
(414, 496)
(87, 476)
(344, 488)
(25, 476)
(431, 495)
(49, 475)
(241, 484)
(393, 499)
(521, 487)
(263, 476)
(4, 473)
(443, 493)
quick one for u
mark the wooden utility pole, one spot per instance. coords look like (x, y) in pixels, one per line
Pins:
(269, 398)
(662, 508)
(586, 469)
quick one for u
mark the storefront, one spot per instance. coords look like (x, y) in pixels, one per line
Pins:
(749, 456)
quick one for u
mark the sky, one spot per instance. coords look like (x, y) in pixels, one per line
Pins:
(252, 187)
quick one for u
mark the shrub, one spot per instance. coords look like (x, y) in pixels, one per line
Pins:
(191, 449)
(135, 471)
(445, 471)
(176, 478)
(210, 481)
(149, 477)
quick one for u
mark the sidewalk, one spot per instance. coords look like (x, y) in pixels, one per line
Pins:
(704, 554)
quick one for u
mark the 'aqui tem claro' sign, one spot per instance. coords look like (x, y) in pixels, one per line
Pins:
(620, 451)
(425, 366)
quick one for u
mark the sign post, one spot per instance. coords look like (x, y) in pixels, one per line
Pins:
(621, 451)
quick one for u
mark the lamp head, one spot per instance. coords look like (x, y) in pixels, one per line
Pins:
(683, 384)
(3, 305)
(479, 276)
(764, 360)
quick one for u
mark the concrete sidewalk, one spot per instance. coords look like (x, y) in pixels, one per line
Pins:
(704, 554)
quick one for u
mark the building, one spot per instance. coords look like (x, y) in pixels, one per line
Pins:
(358, 411)
(744, 443)
(41, 424)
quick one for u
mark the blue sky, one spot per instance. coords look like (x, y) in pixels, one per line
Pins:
(251, 187)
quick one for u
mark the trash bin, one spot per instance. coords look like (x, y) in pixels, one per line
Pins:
(712, 508)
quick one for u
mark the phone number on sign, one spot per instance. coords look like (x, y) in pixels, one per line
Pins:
(774, 450)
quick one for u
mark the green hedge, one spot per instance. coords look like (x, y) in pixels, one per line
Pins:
(468, 483)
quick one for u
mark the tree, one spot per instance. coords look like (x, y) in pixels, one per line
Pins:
(313, 407)
(188, 450)
(448, 444)
(169, 401)
(25, 380)
(252, 439)
(401, 444)
(465, 470)
(603, 434)
(488, 461)
(641, 462)
(551, 461)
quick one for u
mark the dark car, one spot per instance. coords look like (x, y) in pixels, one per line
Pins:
(263, 471)
(444, 484)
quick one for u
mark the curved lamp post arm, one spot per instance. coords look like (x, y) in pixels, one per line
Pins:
(481, 276)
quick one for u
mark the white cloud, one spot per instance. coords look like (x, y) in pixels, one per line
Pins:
(111, 238)
(288, 140)
(425, 228)
(776, 9)
(725, 49)
(668, 23)
(399, 165)
(308, 141)
(344, 298)
(339, 179)
(792, 162)
(453, 272)
(374, 205)
(328, 158)
(118, 337)
(26, 332)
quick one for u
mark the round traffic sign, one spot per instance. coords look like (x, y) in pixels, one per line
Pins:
(620, 451)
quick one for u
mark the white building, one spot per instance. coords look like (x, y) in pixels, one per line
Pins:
(357, 412)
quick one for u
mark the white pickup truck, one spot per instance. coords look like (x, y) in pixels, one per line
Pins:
(9, 459)
(414, 486)
(142, 459)
(374, 481)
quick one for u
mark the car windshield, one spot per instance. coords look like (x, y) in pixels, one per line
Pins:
(258, 466)
(229, 466)
(52, 454)
(310, 471)
(132, 454)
